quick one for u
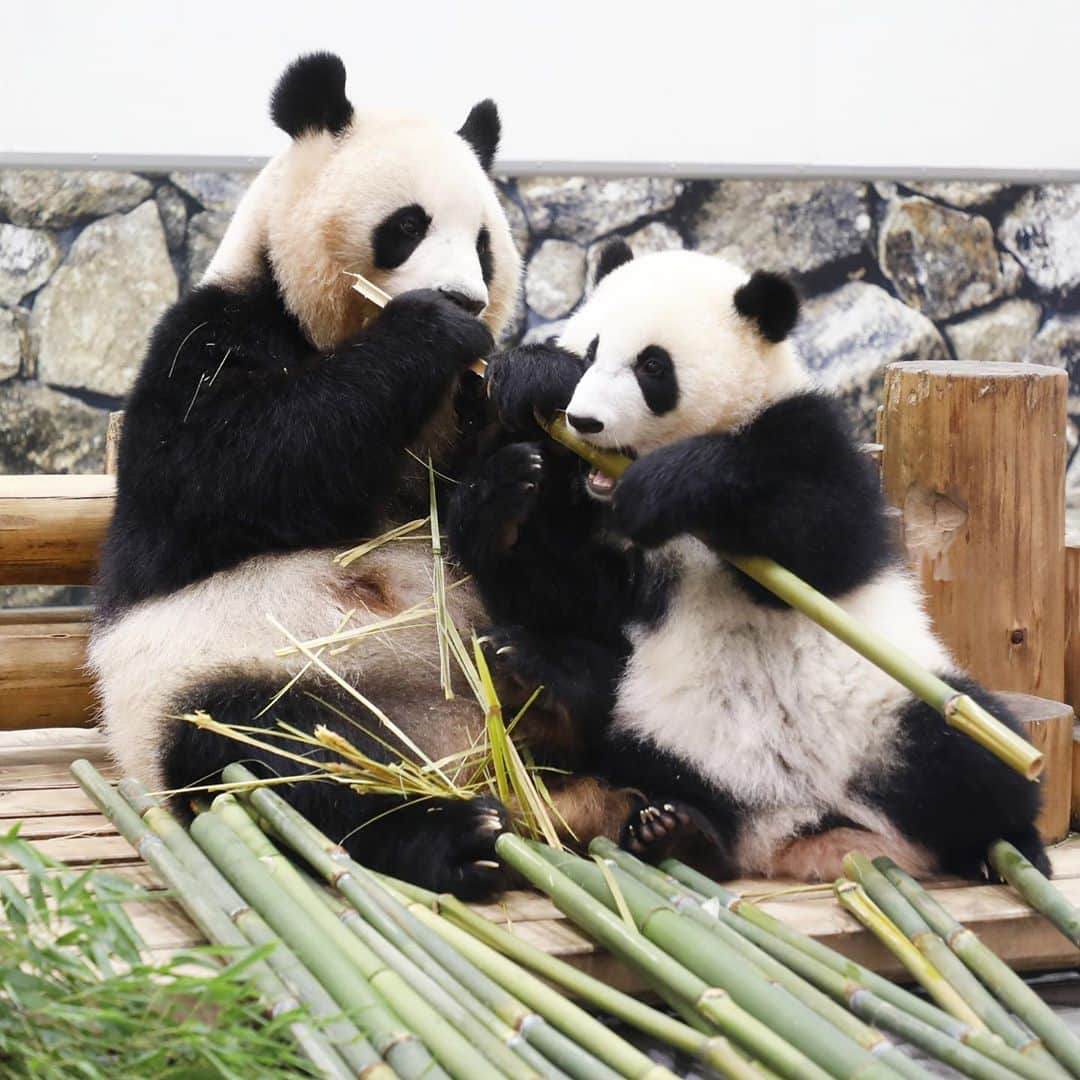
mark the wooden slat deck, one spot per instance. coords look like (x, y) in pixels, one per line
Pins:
(37, 790)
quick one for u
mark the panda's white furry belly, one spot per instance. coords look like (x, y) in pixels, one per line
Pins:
(762, 701)
(164, 647)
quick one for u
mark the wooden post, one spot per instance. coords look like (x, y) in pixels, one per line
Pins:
(974, 458)
(112, 441)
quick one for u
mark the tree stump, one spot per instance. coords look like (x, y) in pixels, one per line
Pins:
(974, 458)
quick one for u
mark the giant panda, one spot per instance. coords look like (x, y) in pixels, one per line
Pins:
(273, 424)
(759, 743)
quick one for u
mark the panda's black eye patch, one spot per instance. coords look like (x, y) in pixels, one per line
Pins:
(590, 352)
(483, 253)
(398, 235)
(656, 376)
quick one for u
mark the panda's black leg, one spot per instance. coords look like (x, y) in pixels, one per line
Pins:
(952, 796)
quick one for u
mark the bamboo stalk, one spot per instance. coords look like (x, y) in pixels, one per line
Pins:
(1035, 888)
(1056, 1035)
(664, 886)
(368, 896)
(358, 1053)
(718, 964)
(350, 987)
(214, 922)
(914, 927)
(958, 710)
(453, 1052)
(715, 1004)
(496, 950)
(795, 949)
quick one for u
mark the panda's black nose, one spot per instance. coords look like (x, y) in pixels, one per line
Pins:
(467, 303)
(587, 425)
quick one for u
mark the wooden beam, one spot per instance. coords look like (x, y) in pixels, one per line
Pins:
(975, 460)
(51, 528)
(43, 681)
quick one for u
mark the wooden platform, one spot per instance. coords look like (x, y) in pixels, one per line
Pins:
(36, 789)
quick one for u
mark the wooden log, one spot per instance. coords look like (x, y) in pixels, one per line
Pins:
(43, 682)
(1049, 726)
(974, 459)
(51, 528)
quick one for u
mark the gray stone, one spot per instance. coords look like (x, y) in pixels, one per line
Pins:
(519, 225)
(941, 261)
(583, 208)
(173, 212)
(963, 194)
(1057, 344)
(795, 226)
(555, 279)
(656, 236)
(90, 323)
(1003, 334)
(13, 341)
(27, 258)
(57, 197)
(220, 191)
(847, 337)
(1043, 231)
(544, 333)
(23, 596)
(43, 430)
(204, 233)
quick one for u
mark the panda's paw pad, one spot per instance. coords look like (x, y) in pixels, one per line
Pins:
(657, 829)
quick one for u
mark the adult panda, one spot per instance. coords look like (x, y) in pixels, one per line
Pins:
(760, 743)
(271, 426)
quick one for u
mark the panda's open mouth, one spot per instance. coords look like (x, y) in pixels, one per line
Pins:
(601, 486)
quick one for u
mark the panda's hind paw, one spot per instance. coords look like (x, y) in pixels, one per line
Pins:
(655, 828)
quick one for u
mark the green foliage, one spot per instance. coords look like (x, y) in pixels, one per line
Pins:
(79, 999)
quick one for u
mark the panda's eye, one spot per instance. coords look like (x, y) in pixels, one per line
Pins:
(590, 352)
(398, 235)
(654, 362)
(409, 227)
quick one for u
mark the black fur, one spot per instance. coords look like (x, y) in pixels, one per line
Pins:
(655, 374)
(485, 254)
(613, 255)
(771, 302)
(482, 130)
(398, 235)
(240, 439)
(532, 379)
(434, 842)
(310, 96)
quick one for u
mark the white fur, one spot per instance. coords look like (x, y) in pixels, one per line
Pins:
(683, 302)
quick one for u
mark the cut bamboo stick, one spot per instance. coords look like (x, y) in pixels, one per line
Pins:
(1035, 889)
(714, 1004)
(212, 920)
(994, 972)
(958, 710)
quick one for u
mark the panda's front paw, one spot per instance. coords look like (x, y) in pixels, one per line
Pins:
(650, 503)
(436, 322)
(530, 380)
(460, 849)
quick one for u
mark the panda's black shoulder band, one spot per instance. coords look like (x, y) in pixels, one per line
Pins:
(310, 96)
(771, 302)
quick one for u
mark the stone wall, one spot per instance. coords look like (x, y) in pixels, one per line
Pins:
(975, 271)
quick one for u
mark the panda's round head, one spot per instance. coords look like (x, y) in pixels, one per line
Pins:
(678, 344)
(391, 196)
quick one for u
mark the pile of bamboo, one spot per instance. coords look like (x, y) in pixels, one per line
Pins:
(386, 979)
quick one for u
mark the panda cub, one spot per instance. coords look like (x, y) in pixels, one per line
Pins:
(761, 744)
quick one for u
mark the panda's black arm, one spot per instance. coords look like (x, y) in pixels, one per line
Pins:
(240, 439)
(792, 485)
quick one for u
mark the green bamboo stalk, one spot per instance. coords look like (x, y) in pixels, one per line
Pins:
(457, 1055)
(715, 1004)
(916, 929)
(357, 1052)
(994, 972)
(542, 1044)
(498, 952)
(1036, 889)
(811, 959)
(211, 919)
(718, 964)
(958, 710)
(350, 986)
(662, 885)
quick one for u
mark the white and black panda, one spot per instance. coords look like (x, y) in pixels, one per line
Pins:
(270, 428)
(749, 730)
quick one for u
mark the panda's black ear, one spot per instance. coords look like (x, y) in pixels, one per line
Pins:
(771, 302)
(613, 255)
(310, 96)
(481, 130)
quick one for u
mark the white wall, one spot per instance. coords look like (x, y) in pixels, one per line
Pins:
(691, 86)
